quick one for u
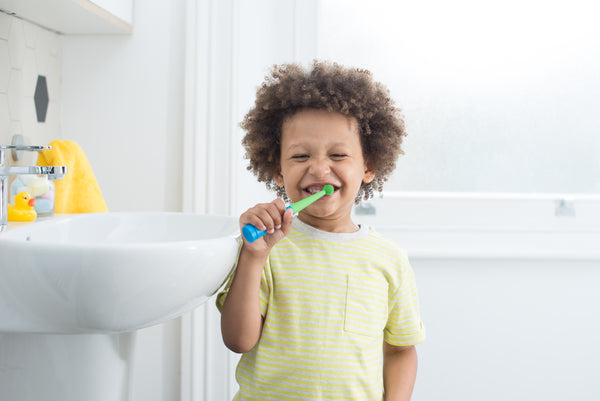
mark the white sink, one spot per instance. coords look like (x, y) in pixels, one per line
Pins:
(111, 272)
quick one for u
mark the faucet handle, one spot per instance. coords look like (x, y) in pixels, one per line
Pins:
(26, 147)
(17, 147)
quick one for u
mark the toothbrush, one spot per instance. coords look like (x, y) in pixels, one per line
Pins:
(252, 233)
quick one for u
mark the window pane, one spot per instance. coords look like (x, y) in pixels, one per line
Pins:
(500, 97)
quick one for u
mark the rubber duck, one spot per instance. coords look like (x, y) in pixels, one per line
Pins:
(23, 209)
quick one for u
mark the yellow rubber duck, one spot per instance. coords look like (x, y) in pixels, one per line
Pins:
(23, 209)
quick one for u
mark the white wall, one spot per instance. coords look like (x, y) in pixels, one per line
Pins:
(515, 329)
(123, 103)
(26, 52)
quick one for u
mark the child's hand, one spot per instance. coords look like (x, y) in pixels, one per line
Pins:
(272, 217)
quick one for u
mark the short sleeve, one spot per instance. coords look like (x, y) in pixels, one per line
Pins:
(404, 326)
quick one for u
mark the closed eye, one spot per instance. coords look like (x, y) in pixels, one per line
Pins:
(300, 157)
(338, 155)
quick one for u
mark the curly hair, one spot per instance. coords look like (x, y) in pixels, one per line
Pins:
(326, 86)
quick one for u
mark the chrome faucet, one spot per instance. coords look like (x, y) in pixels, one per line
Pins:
(53, 173)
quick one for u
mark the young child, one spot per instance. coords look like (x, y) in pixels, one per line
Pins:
(321, 308)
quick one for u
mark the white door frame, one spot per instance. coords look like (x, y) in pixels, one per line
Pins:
(207, 177)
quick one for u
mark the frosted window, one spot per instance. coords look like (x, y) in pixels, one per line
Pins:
(498, 97)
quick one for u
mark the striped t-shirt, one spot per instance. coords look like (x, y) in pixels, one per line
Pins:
(329, 300)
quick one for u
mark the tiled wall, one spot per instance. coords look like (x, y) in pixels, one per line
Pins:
(30, 83)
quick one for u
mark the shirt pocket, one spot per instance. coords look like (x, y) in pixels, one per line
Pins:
(366, 305)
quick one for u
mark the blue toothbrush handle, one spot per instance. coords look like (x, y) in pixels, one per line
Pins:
(252, 233)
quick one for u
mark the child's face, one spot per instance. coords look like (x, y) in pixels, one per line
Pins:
(318, 148)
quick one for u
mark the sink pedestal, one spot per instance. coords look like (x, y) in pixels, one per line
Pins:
(63, 367)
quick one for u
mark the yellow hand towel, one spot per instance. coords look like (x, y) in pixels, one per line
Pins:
(78, 190)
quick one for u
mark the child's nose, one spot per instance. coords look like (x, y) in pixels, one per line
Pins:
(319, 167)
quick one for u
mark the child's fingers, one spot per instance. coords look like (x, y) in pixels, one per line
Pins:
(282, 230)
(277, 210)
(286, 224)
(265, 216)
(251, 218)
(271, 217)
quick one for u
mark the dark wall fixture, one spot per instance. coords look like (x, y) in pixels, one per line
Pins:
(41, 98)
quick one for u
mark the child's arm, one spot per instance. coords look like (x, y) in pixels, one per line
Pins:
(241, 320)
(399, 372)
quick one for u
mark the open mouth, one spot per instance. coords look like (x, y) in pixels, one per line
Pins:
(313, 189)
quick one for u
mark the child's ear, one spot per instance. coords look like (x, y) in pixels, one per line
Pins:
(369, 174)
(277, 176)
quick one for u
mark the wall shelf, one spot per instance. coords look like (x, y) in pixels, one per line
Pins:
(75, 17)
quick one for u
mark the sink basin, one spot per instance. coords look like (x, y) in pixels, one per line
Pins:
(111, 272)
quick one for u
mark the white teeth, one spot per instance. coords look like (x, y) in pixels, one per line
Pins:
(313, 190)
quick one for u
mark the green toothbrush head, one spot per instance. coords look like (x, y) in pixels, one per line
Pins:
(328, 189)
